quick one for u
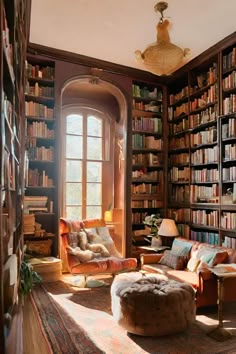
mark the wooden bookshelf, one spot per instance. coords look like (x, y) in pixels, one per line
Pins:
(14, 20)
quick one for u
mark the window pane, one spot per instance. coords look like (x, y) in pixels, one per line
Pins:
(93, 212)
(94, 194)
(74, 193)
(94, 172)
(74, 124)
(74, 213)
(74, 147)
(73, 171)
(94, 148)
(94, 127)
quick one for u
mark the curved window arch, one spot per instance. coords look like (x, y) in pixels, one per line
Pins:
(86, 150)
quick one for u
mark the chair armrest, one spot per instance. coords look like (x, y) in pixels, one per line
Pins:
(150, 258)
(205, 273)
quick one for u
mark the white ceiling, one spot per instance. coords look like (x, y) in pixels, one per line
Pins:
(112, 30)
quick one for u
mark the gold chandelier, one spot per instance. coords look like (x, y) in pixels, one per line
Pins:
(164, 57)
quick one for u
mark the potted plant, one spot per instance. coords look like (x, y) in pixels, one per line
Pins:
(153, 222)
(28, 278)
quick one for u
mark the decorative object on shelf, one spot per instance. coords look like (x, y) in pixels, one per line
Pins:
(108, 216)
(168, 229)
(164, 57)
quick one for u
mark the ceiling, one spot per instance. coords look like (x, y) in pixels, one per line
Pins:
(113, 30)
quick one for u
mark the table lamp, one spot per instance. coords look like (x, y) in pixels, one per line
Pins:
(168, 229)
(108, 216)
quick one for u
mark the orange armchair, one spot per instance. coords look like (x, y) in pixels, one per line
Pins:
(112, 264)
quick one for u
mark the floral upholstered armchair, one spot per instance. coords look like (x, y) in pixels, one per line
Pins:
(87, 249)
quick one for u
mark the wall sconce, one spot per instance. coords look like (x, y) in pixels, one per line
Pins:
(108, 216)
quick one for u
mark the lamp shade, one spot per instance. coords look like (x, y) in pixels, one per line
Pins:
(168, 228)
(108, 216)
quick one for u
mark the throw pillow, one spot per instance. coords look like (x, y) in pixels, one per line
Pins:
(192, 264)
(212, 256)
(181, 248)
(173, 261)
(83, 256)
(92, 236)
(82, 240)
(72, 239)
(104, 233)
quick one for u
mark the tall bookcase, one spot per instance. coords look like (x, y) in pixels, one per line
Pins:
(202, 148)
(14, 20)
(40, 202)
(147, 187)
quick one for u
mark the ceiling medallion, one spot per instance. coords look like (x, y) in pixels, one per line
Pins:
(164, 57)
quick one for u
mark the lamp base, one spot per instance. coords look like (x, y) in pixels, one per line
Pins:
(156, 241)
(220, 334)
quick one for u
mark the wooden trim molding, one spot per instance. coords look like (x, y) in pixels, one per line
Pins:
(107, 66)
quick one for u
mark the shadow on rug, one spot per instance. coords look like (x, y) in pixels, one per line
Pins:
(79, 320)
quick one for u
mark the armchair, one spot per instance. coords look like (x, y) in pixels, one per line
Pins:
(93, 232)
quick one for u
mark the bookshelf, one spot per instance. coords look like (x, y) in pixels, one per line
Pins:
(14, 20)
(202, 148)
(147, 185)
(40, 221)
(179, 155)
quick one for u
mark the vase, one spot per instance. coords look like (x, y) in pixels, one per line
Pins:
(156, 241)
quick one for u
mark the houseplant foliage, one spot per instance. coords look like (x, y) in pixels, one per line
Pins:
(28, 278)
(153, 222)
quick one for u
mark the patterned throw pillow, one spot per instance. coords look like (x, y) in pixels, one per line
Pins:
(72, 238)
(171, 260)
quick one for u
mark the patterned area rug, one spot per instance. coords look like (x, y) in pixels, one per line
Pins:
(79, 320)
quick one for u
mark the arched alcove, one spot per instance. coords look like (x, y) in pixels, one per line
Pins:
(103, 96)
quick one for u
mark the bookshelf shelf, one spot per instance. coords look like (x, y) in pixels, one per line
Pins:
(40, 147)
(147, 195)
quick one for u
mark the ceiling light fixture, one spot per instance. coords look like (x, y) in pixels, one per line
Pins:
(164, 57)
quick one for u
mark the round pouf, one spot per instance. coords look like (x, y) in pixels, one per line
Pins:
(152, 305)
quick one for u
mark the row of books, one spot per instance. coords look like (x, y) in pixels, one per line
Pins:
(207, 136)
(39, 179)
(146, 188)
(147, 124)
(37, 90)
(37, 71)
(40, 153)
(203, 117)
(179, 215)
(173, 98)
(205, 175)
(229, 129)
(229, 60)
(152, 175)
(229, 81)
(147, 203)
(179, 194)
(229, 104)
(35, 109)
(204, 236)
(149, 142)
(205, 156)
(39, 129)
(179, 142)
(182, 158)
(230, 152)
(148, 159)
(177, 174)
(206, 217)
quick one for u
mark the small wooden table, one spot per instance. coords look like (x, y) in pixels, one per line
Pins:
(150, 249)
(220, 333)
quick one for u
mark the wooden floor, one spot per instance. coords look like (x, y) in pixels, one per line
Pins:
(33, 340)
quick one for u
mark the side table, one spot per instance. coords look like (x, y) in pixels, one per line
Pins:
(220, 333)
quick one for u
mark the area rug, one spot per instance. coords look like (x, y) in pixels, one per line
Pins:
(78, 320)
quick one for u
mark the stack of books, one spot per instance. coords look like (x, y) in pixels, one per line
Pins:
(34, 204)
(28, 224)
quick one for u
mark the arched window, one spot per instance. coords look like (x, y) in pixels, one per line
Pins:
(86, 148)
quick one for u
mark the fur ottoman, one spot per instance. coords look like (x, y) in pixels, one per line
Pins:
(152, 305)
